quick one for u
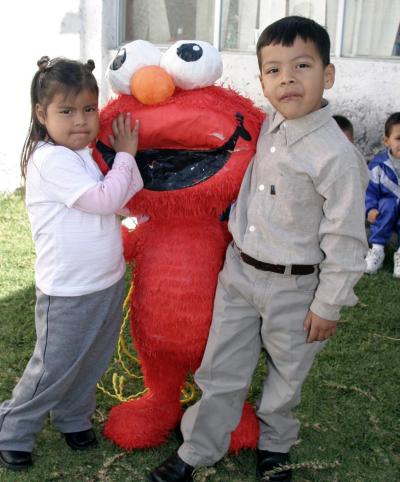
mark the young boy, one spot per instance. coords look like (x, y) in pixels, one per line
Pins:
(298, 249)
(346, 126)
(383, 197)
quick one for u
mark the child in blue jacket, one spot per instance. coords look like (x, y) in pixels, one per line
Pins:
(383, 197)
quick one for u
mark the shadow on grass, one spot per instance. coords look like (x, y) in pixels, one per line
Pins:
(17, 335)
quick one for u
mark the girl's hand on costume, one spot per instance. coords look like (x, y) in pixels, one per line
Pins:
(124, 138)
(372, 215)
(319, 329)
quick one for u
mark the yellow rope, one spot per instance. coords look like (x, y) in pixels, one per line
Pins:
(188, 393)
(118, 381)
(121, 347)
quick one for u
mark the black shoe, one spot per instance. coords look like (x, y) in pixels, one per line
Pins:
(15, 460)
(267, 461)
(173, 469)
(84, 440)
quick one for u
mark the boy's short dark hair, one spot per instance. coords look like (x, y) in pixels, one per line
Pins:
(285, 31)
(392, 120)
(343, 122)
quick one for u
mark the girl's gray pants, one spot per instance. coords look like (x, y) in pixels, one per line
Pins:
(76, 338)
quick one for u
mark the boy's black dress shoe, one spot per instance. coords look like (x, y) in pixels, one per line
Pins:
(84, 440)
(15, 460)
(267, 461)
(173, 469)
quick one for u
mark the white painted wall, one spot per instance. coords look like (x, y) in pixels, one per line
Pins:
(78, 29)
(366, 91)
(28, 30)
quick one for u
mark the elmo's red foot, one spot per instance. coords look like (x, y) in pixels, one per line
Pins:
(246, 434)
(142, 423)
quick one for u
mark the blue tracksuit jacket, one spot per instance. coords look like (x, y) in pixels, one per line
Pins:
(383, 194)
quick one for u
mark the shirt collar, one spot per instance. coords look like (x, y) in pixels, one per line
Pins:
(298, 128)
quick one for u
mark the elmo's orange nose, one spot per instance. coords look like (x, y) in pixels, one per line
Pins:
(152, 85)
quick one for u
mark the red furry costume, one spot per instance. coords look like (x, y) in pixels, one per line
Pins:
(179, 252)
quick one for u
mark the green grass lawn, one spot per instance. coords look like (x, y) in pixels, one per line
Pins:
(350, 409)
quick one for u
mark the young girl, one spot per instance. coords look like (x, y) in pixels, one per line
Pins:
(80, 269)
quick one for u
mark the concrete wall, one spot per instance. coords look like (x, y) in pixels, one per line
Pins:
(366, 91)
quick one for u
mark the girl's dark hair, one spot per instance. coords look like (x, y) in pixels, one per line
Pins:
(54, 76)
(392, 120)
(285, 31)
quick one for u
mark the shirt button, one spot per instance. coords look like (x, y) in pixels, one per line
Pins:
(261, 187)
(273, 149)
(252, 229)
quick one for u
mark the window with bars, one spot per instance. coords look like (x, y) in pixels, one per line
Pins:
(368, 28)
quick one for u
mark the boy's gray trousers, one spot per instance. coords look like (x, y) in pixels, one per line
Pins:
(76, 338)
(252, 309)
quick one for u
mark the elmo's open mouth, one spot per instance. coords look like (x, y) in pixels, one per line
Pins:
(170, 169)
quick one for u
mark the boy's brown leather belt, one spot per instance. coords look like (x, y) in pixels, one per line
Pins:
(295, 269)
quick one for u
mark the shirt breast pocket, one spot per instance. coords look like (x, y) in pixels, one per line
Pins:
(298, 206)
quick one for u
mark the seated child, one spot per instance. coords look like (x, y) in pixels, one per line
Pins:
(382, 199)
(346, 126)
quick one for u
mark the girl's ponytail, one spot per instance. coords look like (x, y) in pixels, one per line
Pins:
(36, 130)
(90, 65)
(43, 63)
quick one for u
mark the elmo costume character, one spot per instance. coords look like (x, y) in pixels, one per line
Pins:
(195, 143)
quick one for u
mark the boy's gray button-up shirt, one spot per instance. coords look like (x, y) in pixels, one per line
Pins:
(302, 201)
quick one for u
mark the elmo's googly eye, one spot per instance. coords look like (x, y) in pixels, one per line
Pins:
(129, 60)
(192, 64)
(189, 52)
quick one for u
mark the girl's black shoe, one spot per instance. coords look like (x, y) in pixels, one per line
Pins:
(84, 440)
(15, 459)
